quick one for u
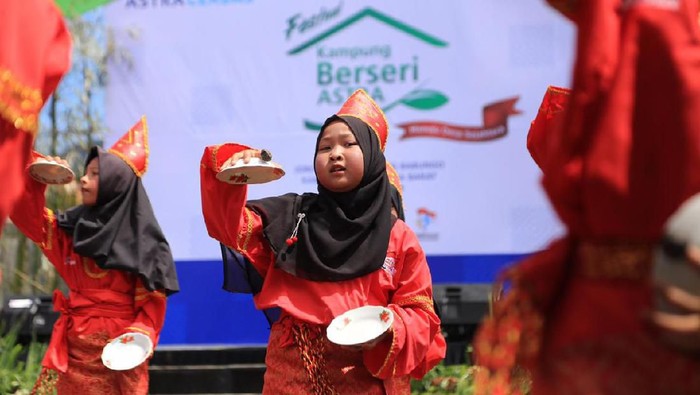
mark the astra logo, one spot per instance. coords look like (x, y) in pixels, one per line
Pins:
(180, 3)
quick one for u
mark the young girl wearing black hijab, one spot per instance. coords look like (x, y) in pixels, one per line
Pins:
(322, 254)
(116, 262)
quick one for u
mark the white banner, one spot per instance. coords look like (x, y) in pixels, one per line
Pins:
(459, 81)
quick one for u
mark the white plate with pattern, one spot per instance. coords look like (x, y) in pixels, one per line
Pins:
(127, 351)
(360, 325)
(256, 171)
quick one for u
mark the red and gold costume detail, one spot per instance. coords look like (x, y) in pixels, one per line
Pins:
(360, 105)
(624, 157)
(34, 54)
(300, 360)
(133, 147)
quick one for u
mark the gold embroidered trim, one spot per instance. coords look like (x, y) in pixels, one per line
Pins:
(133, 328)
(556, 89)
(96, 275)
(141, 297)
(214, 153)
(614, 260)
(245, 234)
(391, 181)
(146, 149)
(554, 106)
(309, 341)
(422, 302)
(382, 143)
(392, 350)
(146, 294)
(46, 382)
(48, 238)
(371, 126)
(19, 104)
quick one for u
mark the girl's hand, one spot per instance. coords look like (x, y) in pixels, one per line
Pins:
(59, 160)
(680, 331)
(245, 155)
(55, 159)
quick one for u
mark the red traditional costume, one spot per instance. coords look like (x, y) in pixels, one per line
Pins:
(34, 54)
(625, 156)
(102, 304)
(300, 359)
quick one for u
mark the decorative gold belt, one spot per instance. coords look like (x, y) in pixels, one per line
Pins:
(614, 260)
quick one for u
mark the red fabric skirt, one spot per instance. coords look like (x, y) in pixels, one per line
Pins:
(301, 360)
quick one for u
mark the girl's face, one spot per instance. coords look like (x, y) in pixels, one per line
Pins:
(90, 182)
(339, 161)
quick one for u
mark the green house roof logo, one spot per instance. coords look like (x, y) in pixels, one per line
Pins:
(370, 13)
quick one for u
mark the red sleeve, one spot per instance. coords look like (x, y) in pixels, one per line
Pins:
(416, 344)
(225, 215)
(150, 312)
(38, 223)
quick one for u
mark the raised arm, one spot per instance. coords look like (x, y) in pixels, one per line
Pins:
(38, 223)
(223, 206)
(222, 203)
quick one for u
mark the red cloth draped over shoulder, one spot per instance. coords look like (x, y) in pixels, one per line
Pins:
(34, 54)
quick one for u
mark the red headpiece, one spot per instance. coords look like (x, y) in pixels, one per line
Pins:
(550, 117)
(394, 178)
(361, 106)
(132, 147)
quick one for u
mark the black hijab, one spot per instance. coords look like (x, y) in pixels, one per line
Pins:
(343, 235)
(121, 231)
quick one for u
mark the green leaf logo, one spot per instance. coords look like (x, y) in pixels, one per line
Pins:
(312, 125)
(419, 99)
(424, 99)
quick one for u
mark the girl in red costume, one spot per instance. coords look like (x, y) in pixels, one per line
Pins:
(348, 252)
(116, 262)
(623, 158)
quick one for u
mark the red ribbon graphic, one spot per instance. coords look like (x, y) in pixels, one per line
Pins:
(495, 125)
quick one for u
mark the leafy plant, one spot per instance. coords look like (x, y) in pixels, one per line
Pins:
(450, 379)
(20, 365)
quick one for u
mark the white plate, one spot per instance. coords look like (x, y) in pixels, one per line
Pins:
(48, 172)
(360, 325)
(127, 351)
(256, 171)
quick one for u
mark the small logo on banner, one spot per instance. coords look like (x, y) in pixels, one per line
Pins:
(425, 224)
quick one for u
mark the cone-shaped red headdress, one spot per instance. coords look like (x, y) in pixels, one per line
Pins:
(132, 147)
(360, 105)
(394, 178)
(549, 121)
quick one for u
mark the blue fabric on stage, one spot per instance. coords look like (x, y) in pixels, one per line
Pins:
(241, 277)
